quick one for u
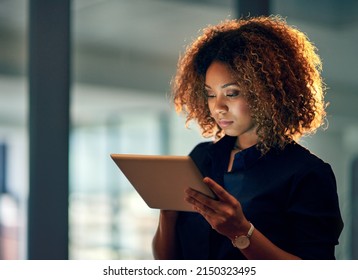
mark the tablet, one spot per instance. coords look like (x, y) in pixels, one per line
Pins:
(161, 180)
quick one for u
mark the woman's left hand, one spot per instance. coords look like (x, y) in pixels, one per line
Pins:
(224, 214)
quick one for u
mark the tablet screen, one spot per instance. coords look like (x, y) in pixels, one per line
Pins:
(161, 180)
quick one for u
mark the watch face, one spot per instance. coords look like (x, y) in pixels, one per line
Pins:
(242, 242)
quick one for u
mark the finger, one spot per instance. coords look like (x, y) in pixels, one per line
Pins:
(199, 206)
(221, 193)
(204, 211)
(200, 200)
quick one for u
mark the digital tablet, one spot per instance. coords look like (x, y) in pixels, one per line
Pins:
(161, 180)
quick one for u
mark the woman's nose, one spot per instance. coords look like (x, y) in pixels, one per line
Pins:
(220, 105)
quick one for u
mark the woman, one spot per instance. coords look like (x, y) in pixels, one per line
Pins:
(255, 85)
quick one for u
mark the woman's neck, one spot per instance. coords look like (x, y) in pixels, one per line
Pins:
(243, 143)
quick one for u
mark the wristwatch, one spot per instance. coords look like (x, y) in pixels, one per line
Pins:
(243, 241)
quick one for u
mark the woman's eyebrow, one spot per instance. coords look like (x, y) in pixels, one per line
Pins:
(223, 86)
(229, 84)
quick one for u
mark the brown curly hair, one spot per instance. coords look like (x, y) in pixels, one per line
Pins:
(276, 67)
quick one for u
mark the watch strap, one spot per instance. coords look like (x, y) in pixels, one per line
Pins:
(248, 235)
(251, 230)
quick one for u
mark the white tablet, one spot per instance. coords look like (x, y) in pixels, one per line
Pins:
(161, 180)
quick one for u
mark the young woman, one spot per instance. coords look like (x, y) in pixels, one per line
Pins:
(255, 85)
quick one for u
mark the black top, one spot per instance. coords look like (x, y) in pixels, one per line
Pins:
(289, 195)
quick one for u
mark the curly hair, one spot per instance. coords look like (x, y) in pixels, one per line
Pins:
(276, 67)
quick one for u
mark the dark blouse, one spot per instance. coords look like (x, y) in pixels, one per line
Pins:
(289, 195)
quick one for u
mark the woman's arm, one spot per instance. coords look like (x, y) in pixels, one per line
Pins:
(226, 217)
(262, 248)
(164, 243)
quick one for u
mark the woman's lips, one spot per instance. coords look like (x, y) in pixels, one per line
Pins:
(224, 123)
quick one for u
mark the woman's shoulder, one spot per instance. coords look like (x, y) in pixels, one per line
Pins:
(303, 160)
(201, 149)
(220, 146)
(203, 145)
(302, 153)
(201, 157)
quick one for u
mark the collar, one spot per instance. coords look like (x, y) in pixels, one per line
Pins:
(246, 158)
(220, 153)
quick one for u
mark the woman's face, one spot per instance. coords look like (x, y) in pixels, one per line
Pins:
(227, 106)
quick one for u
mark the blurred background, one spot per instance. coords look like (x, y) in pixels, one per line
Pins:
(122, 56)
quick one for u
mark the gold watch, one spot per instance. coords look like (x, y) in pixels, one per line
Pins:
(243, 241)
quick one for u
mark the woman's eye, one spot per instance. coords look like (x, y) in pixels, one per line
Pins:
(210, 95)
(232, 94)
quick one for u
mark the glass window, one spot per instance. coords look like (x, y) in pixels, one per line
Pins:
(108, 219)
(13, 129)
(354, 214)
(123, 64)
